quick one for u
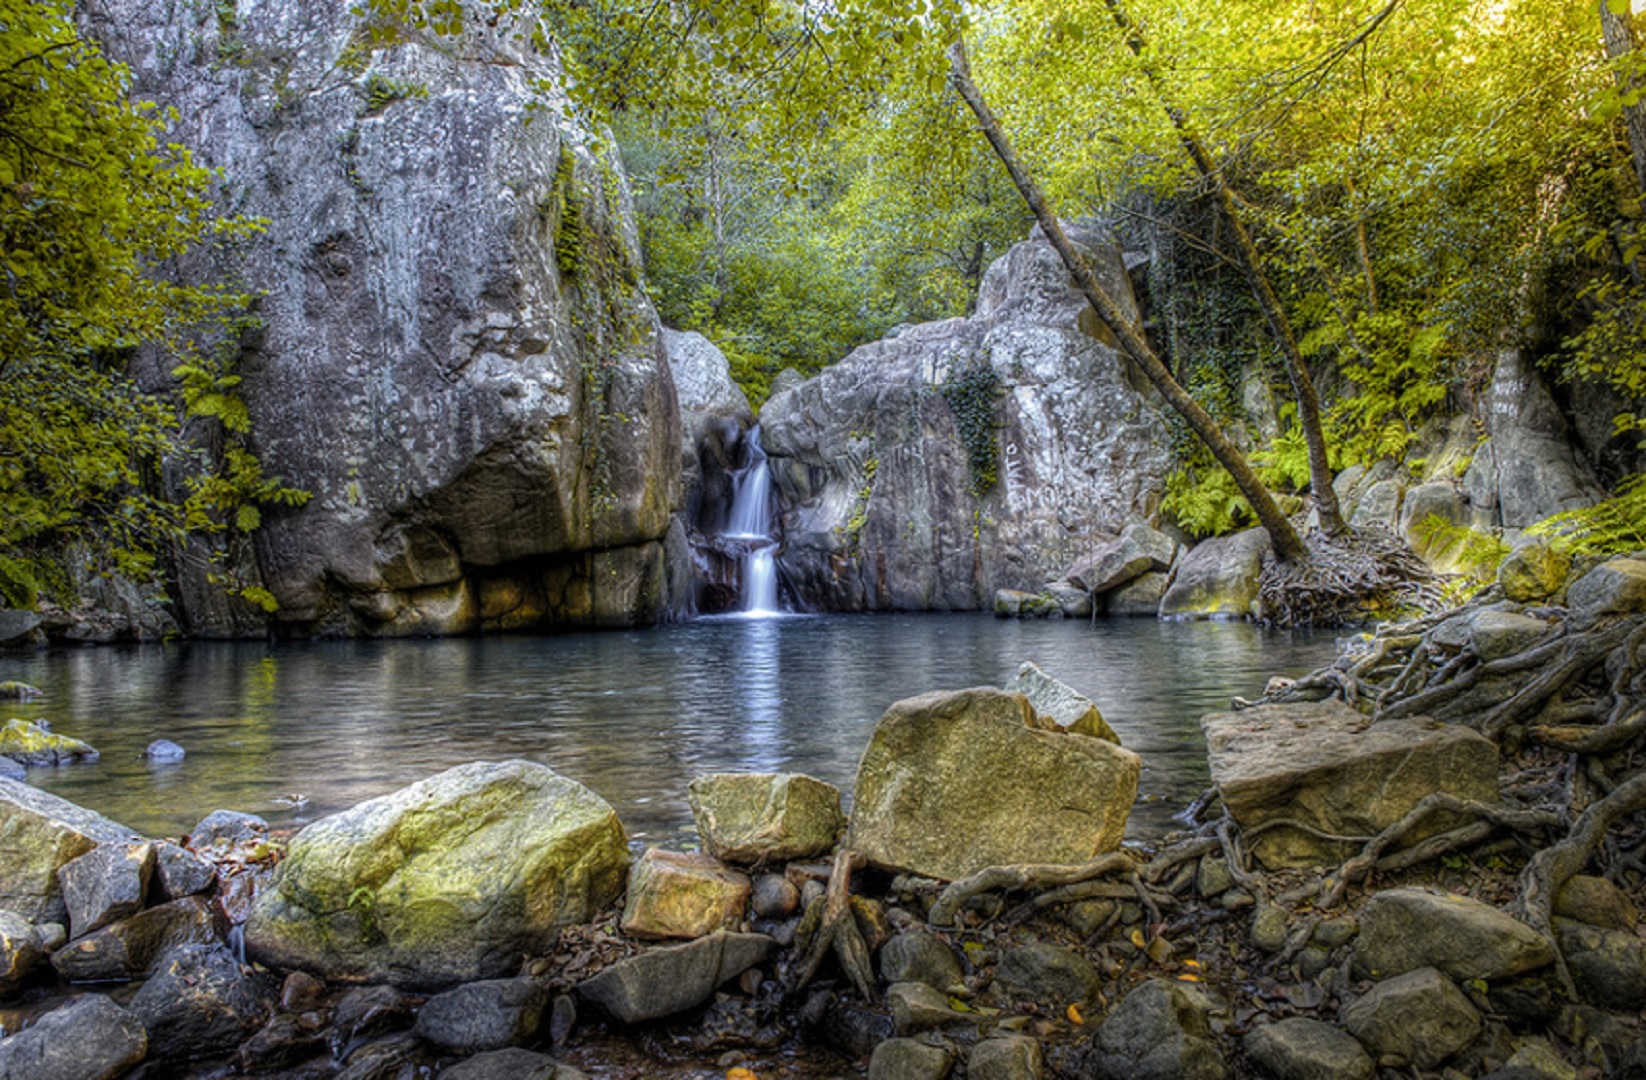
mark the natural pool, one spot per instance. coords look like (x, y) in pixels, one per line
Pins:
(634, 715)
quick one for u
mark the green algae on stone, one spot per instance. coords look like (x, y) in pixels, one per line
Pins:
(449, 880)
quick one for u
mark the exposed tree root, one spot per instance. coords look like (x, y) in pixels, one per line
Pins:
(1032, 877)
(837, 931)
(1344, 578)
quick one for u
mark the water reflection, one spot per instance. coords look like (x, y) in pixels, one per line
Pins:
(635, 715)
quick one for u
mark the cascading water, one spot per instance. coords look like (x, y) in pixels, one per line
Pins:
(750, 521)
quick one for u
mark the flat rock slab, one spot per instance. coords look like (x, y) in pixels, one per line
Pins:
(1402, 930)
(666, 981)
(1320, 763)
(449, 880)
(954, 781)
(39, 832)
(765, 817)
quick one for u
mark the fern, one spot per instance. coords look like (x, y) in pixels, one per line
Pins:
(1610, 527)
(1477, 553)
(1204, 502)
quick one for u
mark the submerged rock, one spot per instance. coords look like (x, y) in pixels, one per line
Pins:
(748, 818)
(448, 880)
(164, 752)
(34, 744)
(1322, 764)
(40, 833)
(952, 782)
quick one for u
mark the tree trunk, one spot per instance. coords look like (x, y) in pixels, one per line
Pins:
(1303, 386)
(1285, 540)
(1619, 32)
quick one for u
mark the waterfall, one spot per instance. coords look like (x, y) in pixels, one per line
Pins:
(751, 522)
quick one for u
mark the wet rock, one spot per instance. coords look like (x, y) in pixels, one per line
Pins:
(105, 884)
(1073, 601)
(1007, 1057)
(42, 833)
(1608, 966)
(11, 690)
(90, 1038)
(665, 981)
(282, 1042)
(952, 782)
(130, 948)
(1217, 578)
(1617, 587)
(33, 744)
(921, 956)
(228, 827)
(180, 872)
(774, 897)
(513, 1063)
(301, 992)
(750, 818)
(1533, 572)
(1596, 901)
(20, 951)
(1403, 930)
(1159, 1031)
(445, 881)
(682, 895)
(917, 1007)
(1017, 604)
(909, 1059)
(1322, 764)
(17, 627)
(1420, 1018)
(394, 1057)
(486, 1015)
(1300, 1048)
(1137, 551)
(200, 1002)
(1048, 974)
(164, 752)
(1061, 704)
(1499, 634)
(366, 1013)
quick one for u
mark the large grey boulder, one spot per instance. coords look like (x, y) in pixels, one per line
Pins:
(1526, 470)
(90, 1038)
(39, 832)
(1218, 578)
(952, 782)
(1322, 764)
(17, 627)
(880, 507)
(666, 981)
(1402, 930)
(448, 880)
(1136, 551)
(454, 354)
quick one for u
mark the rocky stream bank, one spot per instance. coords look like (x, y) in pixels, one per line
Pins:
(1423, 860)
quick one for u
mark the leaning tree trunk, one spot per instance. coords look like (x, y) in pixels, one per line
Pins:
(1619, 33)
(1282, 536)
(1303, 386)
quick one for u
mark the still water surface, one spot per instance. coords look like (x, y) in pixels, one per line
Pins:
(634, 715)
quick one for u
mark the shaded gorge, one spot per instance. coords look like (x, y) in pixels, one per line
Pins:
(634, 715)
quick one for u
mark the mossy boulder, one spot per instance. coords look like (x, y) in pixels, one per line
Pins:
(952, 782)
(34, 744)
(747, 818)
(448, 880)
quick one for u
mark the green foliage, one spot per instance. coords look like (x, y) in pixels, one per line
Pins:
(1203, 500)
(93, 201)
(973, 395)
(1612, 526)
(381, 92)
(1477, 553)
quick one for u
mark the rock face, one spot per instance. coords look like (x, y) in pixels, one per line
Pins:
(38, 834)
(952, 782)
(1321, 764)
(454, 353)
(1526, 470)
(448, 880)
(877, 481)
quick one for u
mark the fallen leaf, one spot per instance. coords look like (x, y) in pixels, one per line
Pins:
(1074, 1017)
